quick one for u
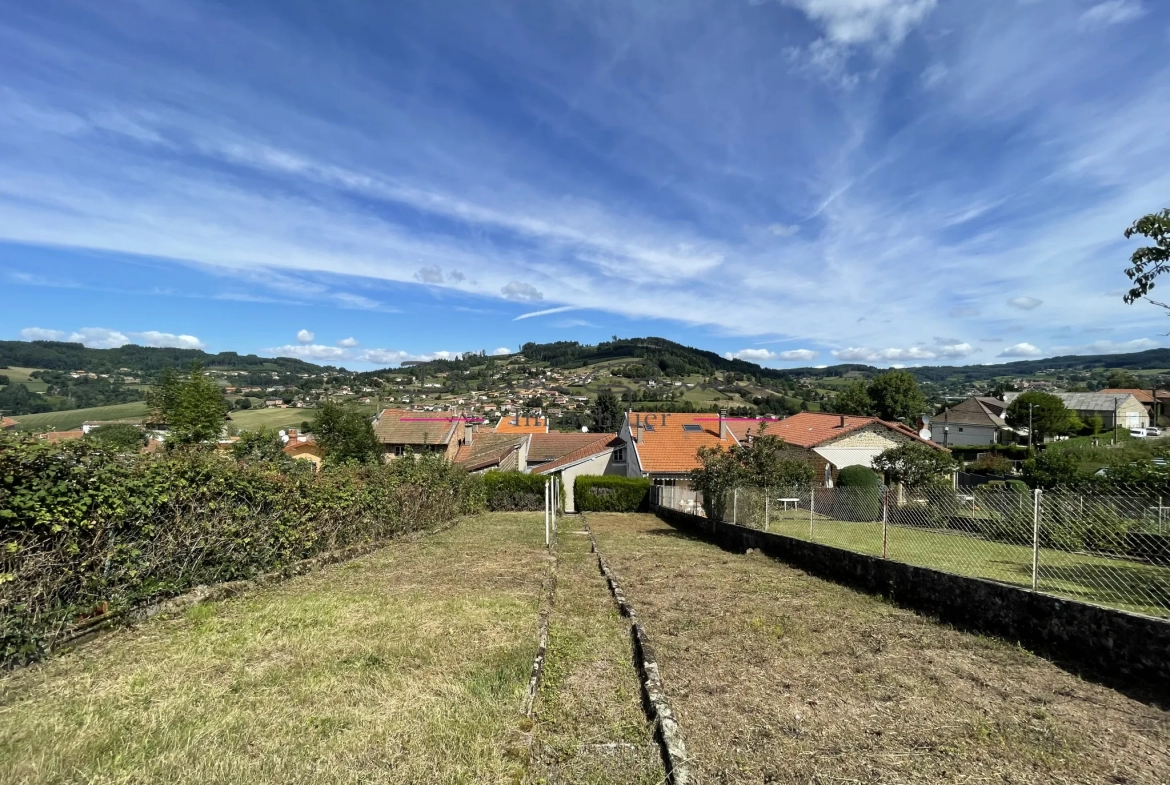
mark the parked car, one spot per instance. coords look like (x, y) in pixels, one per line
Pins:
(1151, 431)
(1138, 433)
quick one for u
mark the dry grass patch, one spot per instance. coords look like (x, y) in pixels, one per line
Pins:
(405, 666)
(590, 727)
(781, 677)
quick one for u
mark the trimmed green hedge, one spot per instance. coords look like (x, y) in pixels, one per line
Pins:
(611, 493)
(858, 495)
(514, 491)
(88, 531)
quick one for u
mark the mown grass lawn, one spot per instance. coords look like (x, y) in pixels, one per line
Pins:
(778, 676)
(1130, 585)
(405, 666)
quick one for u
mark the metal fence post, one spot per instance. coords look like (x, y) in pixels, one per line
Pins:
(556, 498)
(734, 504)
(546, 482)
(1035, 537)
(885, 518)
(765, 508)
(812, 504)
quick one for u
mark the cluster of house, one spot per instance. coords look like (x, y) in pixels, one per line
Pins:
(980, 419)
(661, 447)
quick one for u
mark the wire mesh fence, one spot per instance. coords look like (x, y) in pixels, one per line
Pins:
(1106, 548)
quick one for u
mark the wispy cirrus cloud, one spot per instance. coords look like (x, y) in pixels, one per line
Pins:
(678, 201)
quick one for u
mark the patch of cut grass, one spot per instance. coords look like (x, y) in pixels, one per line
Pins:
(590, 728)
(408, 665)
(777, 676)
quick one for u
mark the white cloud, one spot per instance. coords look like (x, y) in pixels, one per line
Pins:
(1111, 12)
(429, 275)
(934, 75)
(304, 336)
(1021, 350)
(41, 334)
(801, 355)
(1109, 347)
(348, 343)
(783, 230)
(1025, 303)
(752, 355)
(501, 351)
(850, 22)
(168, 340)
(546, 312)
(105, 338)
(940, 351)
(99, 338)
(311, 351)
(521, 292)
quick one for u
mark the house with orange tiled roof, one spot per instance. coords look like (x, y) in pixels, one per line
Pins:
(7, 423)
(485, 450)
(402, 430)
(571, 455)
(664, 447)
(522, 423)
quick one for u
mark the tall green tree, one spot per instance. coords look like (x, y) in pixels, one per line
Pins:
(1049, 415)
(896, 396)
(261, 445)
(854, 399)
(193, 408)
(606, 413)
(1149, 262)
(345, 435)
(1121, 379)
(760, 463)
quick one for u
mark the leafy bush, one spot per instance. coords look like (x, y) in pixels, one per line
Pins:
(610, 493)
(1011, 516)
(991, 464)
(87, 531)
(510, 491)
(858, 477)
(120, 437)
(858, 496)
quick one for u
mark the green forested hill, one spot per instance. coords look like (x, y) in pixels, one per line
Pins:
(61, 356)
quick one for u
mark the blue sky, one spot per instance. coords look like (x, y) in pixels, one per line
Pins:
(791, 181)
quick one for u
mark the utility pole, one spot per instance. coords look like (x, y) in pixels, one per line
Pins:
(1030, 427)
(1115, 399)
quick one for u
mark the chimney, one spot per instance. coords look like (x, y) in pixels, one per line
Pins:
(842, 425)
(724, 431)
(638, 433)
(469, 433)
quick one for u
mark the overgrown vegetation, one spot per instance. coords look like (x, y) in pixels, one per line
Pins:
(89, 531)
(610, 493)
(345, 435)
(760, 462)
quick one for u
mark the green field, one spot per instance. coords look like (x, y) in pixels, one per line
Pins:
(73, 418)
(21, 376)
(255, 419)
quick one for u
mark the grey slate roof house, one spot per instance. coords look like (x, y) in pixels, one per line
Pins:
(977, 420)
(1130, 413)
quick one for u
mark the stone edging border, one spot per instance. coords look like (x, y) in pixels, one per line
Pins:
(548, 591)
(658, 710)
(94, 628)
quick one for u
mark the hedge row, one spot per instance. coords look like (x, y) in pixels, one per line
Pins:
(511, 491)
(608, 493)
(87, 532)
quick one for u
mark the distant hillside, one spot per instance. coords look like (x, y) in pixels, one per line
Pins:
(61, 356)
(675, 359)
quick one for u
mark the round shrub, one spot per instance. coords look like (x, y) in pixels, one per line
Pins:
(858, 496)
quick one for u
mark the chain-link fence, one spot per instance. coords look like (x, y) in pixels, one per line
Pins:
(1111, 549)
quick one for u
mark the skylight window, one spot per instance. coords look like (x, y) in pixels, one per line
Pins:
(692, 427)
